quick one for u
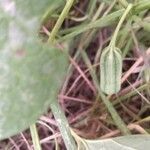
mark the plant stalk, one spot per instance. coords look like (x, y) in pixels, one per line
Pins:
(60, 21)
(59, 115)
(115, 116)
(113, 41)
(35, 137)
(63, 126)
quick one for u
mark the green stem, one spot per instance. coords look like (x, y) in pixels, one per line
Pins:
(35, 137)
(113, 41)
(55, 107)
(102, 22)
(115, 116)
(60, 20)
(63, 126)
(130, 94)
(91, 7)
(48, 13)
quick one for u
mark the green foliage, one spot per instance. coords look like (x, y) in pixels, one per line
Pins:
(134, 142)
(130, 142)
(31, 72)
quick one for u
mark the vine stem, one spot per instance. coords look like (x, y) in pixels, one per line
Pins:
(63, 126)
(59, 115)
(113, 40)
(35, 137)
(60, 20)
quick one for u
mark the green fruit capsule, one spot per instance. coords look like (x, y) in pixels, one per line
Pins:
(110, 70)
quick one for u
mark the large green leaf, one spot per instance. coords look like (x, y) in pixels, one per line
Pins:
(133, 142)
(28, 8)
(31, 72)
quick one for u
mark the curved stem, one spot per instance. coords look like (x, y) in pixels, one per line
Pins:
(113, 40)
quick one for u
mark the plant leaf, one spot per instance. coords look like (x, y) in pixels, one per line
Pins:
(30, 78)
(110, 70)
(132, 142)
(31, 72)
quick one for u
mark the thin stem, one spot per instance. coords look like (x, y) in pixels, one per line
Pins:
(91, 7)
(63, 126)
(35, 137)
(115, 116)
(55, 107)
(130, 94)
(102, 22)
(87, 36)
(113, 41)
(60, 20)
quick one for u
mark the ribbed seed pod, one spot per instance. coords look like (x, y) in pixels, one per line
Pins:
(110, 70)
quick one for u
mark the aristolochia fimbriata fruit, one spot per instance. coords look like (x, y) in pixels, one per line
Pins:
(110, 70)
